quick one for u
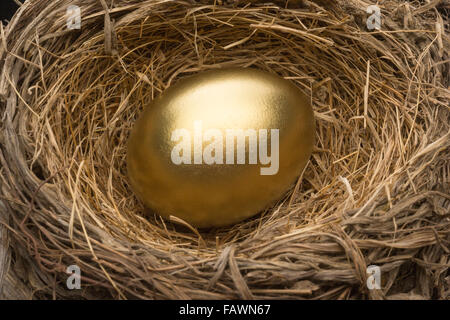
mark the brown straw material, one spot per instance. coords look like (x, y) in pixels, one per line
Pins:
(376, 190)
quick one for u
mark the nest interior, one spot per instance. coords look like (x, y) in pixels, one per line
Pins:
(375, 192)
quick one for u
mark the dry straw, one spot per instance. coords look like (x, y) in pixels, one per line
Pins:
(375, 192)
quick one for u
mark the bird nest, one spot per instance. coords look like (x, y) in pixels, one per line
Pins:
(375, 191)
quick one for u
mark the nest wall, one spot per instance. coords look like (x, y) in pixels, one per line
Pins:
(375, 191)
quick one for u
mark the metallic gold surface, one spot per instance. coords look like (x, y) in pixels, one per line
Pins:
(207, 195)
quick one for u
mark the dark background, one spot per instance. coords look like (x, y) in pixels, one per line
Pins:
(7, 9)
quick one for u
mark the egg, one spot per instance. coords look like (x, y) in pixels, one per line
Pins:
(220, 146)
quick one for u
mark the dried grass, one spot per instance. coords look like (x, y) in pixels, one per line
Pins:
(376, 190)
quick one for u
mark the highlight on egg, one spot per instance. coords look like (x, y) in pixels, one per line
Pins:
(220, 146)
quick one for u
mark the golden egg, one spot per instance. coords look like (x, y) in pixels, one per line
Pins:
(220, 146)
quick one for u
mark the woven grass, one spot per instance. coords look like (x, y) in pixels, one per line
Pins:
(375, 192)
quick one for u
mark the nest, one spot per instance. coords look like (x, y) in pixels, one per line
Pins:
(375, 192)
